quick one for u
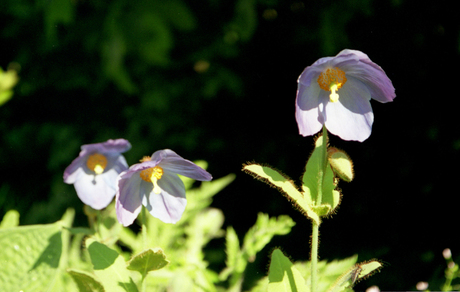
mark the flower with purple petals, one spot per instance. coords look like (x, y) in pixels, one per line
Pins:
(94, 172)
(336, 92)
(154, 183)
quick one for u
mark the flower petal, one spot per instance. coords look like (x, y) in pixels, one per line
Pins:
(174, 163)
(371, 74)
(309, 108)
(312, 72)
(117, 163)
(74, 171)
(351, 117)
(111, 146)
(129, 197)
(169, 205)
(96, 191)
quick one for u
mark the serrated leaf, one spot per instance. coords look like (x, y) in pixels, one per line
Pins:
(11, 219)
(285, 185)
(232, 244)
(283, 276)
(148, 260)
(203, 195)
(86, 282)
(109, 268)
(263, 231)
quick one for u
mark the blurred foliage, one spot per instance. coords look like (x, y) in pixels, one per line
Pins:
(8, 80)
(166, 257)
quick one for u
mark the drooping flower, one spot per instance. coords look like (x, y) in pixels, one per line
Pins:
(336, 92)
(154, 183)
(94, 172)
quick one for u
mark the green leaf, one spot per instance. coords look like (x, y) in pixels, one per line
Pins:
(254, 241)
(31, 256)
(331, 197)
(263, 231)
(328, 272)
(86, 282)
(314, 173)
(355, 274)
(202, 196)
(369, 268)
(148, 260)
(109, 267)
(283, 276)
(235, 261)
(285, 185)
(322, 210)
(11, 219)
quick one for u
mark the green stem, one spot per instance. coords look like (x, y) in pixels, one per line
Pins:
(144, 228)
(314, 256)
(322, 167)
(145, 243)
(97, 224)
(315, 227)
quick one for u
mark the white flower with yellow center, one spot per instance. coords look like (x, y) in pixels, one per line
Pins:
(94, 172)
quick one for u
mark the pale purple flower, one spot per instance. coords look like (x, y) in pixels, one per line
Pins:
(154, 183)
(94, 172)
(336, 92)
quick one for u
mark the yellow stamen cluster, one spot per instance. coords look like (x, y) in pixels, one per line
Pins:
(153, 175)
(96, 162)
(332, 80)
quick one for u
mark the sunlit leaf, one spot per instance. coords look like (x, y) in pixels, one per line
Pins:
(285, 185)
(147, 261)
(283, 276)
(110, 268)
(11, 219)
(86, 282)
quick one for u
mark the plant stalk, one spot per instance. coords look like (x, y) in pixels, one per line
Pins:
(315, 227)
(144, 228)
(314, 256)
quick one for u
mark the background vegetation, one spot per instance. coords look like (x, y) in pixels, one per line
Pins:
(216, 80)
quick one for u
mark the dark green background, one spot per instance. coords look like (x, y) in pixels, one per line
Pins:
(92, 71)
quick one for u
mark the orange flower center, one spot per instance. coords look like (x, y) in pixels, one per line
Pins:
(152, 174)
(332, 80)
(96, 162)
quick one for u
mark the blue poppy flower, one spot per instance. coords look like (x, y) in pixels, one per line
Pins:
(336, 92)
(94, 172)
(154, 183)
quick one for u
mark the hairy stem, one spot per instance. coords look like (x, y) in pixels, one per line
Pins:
(314, 256)
(315, 227)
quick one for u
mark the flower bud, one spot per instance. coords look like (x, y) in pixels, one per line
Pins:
(341, 164)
